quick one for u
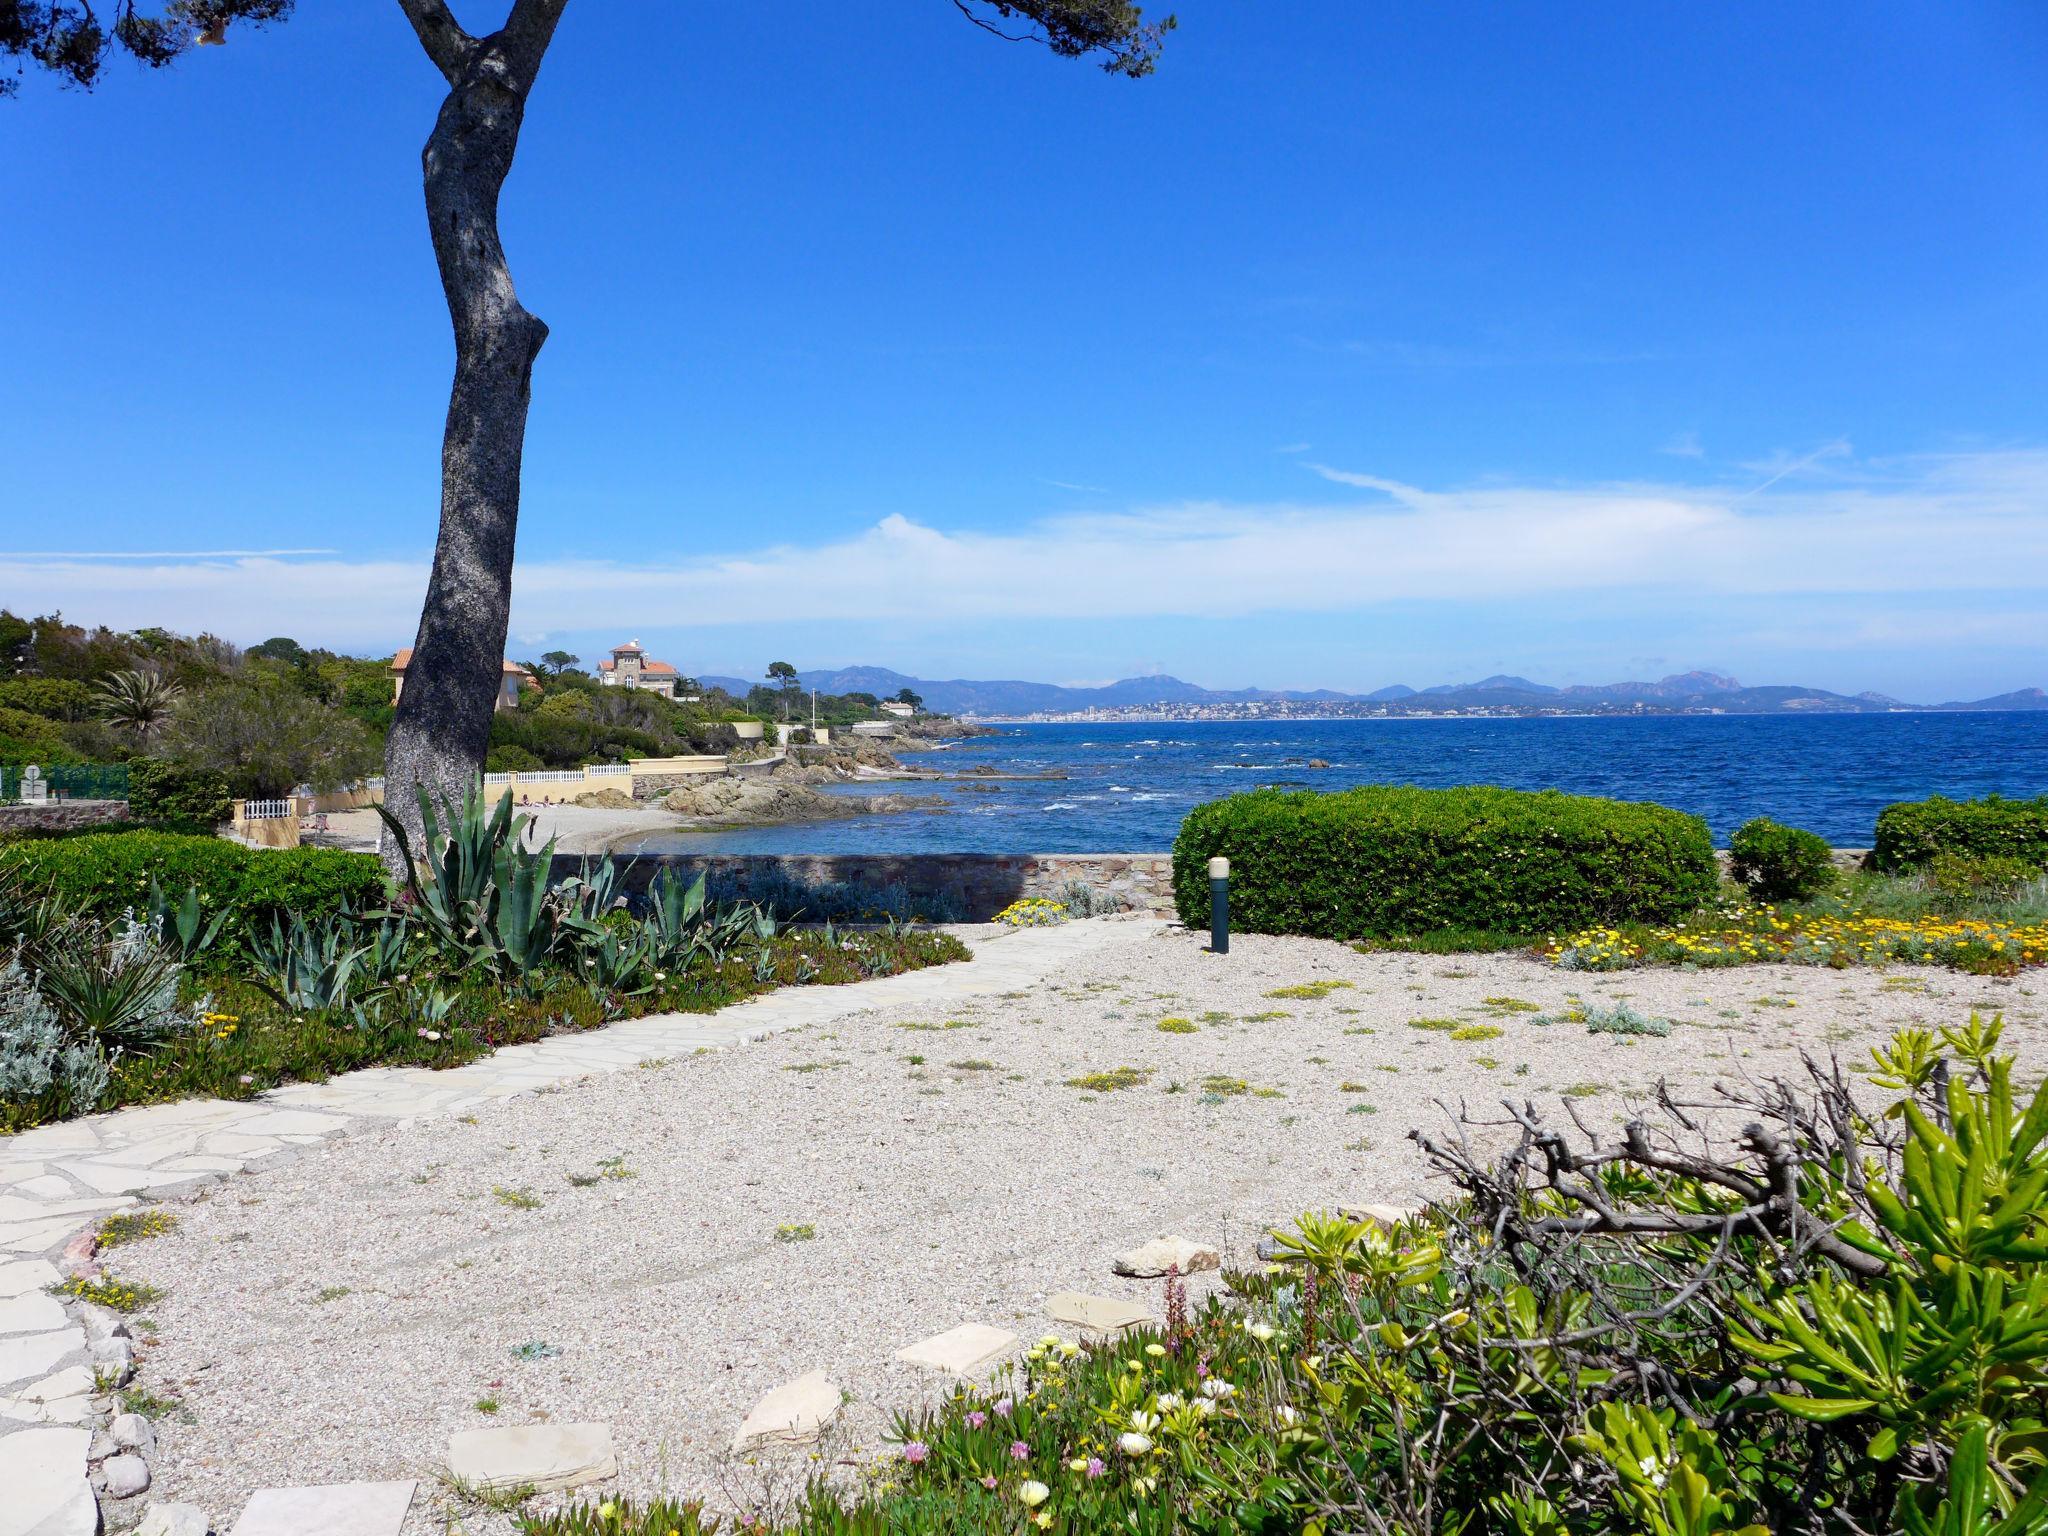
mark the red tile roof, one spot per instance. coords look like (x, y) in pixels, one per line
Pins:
(404, 659)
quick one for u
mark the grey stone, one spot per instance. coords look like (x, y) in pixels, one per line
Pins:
(126, 1476)
(102, 1322)
(792, 1414)
(43, 1471)
(173, 1520)
(1149, 1261)
(335, 1509)
(114, 1359)
(133, 1432)
(103, 1445)
(547, 1456)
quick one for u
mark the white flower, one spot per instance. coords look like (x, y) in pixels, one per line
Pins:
(1260, 1331)
(1131, 1443)
(1168, 1401)
(1216, 1387)
(1288, 1414)
(1144, 1422)
(1204, 1407)
(1033, 1493)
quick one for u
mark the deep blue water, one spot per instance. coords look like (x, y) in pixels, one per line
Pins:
(1128, 786)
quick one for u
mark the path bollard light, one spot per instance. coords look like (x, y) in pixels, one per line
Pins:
(1219, 906)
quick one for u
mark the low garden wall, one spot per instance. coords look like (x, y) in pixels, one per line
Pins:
(980, 884)
(60, 815)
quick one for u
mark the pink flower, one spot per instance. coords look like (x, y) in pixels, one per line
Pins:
(976, 1419)
(1019, 1451)
(1095, 1467)
(915, 1452)
(1003, 1406)
(988, 1482)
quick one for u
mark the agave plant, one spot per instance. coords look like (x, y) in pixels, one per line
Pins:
(137, 702)
(309, 966)
(183, 927)
(481, 894)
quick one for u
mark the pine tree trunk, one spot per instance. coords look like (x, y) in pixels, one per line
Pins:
(443, 724)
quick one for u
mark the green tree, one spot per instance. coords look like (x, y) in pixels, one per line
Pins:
(558, 662)
(442, 725)
(905, 696)
(783, 675)
(265, 737)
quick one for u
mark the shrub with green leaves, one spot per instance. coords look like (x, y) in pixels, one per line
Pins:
(1963, 881)
(1780, 863)
(1385, 861)
(108, 874)
(161, 790)
(1911, 834)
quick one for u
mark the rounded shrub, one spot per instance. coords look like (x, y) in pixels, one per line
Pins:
(1384, 861)
(1780, 863)
(1913, 833)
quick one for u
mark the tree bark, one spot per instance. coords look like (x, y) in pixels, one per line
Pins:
(443, 724)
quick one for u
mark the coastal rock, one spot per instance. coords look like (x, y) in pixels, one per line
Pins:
(1149, 1261)
(757, 801)
(607, 800)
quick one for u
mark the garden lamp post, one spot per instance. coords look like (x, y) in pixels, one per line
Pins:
(1219, 906)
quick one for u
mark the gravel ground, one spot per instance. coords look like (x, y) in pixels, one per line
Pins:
(964, 1188)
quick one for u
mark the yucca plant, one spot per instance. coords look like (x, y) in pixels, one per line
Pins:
(137, 702)
(114, 988)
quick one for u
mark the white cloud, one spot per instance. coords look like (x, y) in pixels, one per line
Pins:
(1963, 524)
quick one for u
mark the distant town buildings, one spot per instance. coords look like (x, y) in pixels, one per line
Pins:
(514, 678)
(630, 668)
(897, 708)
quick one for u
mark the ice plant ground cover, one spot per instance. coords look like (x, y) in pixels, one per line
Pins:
(919, 1145)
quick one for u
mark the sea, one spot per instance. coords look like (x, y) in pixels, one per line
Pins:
(1123, 788)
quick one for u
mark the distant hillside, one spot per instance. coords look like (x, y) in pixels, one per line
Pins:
(1004, 698)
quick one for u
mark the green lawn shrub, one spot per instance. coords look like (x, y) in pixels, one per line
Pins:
(1388, 861)
(1780, 863)
(160, 790)
(107, 874)
(1911, 834)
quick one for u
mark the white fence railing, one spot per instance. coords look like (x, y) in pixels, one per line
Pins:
(599, 770)
(551, 776)
(268, 810)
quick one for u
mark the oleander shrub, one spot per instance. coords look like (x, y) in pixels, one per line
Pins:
(109, 874)
(1387, 861)
(164, 791)
(1780, 863)
(1913, 833)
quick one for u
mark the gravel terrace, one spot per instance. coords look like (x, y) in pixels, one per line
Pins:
(337, 1318)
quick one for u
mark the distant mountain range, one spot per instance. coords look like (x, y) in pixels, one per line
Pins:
(1686, 692)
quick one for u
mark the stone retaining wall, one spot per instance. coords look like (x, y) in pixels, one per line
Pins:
(981, 884)
(60, 815)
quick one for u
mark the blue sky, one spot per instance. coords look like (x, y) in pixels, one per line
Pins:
(1359, 344)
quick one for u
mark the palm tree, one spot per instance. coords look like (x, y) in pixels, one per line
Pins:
(140, 702)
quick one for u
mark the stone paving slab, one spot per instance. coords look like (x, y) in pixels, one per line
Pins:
(58, 1178)
(43, 1473)
(964, 1351)
(541, 1456)
(334, 1509)
(1098, 1314)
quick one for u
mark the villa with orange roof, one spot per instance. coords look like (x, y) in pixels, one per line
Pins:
(630, 668)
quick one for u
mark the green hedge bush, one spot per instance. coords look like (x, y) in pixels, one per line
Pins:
(1780, 863)
(1385, 861)
(159, 790)
(1911, 833)
(109, 873)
